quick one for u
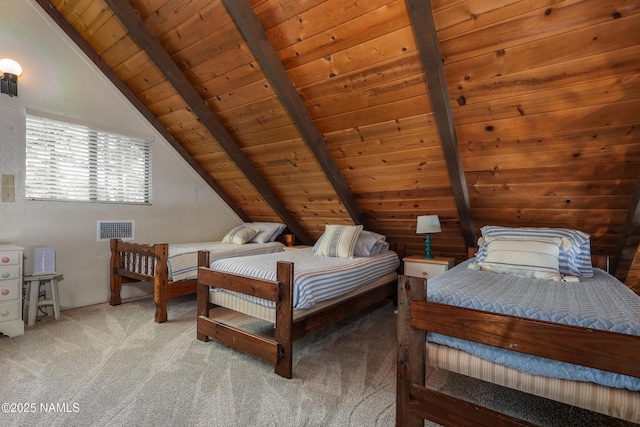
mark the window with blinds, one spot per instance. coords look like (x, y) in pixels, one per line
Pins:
(72, 162)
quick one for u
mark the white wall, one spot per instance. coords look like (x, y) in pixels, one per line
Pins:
(58, 79)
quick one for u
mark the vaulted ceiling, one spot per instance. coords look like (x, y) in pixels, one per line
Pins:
(501, 112)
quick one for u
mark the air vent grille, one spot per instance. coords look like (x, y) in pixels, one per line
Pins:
(115, 230)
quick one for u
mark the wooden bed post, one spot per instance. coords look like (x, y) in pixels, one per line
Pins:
(202, 291)
(160, 285)
(284, 320)
(411, 349)
(115, 280)
(203, 259)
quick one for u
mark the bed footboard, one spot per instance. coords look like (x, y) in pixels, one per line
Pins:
(135, 262)
(594, 348)
(276, 351)
(132, 262)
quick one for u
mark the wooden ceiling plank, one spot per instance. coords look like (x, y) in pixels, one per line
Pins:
(61, 21)
(368, 79)
(140, 32)
(629, 238)
(249, 25)
(431, 58)
(399, 109)
(303, 39)
(523, 29)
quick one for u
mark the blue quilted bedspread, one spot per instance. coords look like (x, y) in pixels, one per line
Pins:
(599, 302)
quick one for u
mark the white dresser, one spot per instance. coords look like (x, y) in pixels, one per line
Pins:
(11, 322)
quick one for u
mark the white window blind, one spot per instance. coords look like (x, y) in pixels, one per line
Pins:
(72, 162)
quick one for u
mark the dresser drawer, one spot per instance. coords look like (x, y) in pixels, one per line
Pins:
(9, 290)
(10, 258)
(10, 311)
(427, 271)
(9, 272)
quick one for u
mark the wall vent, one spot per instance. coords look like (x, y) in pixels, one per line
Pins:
(115, 230)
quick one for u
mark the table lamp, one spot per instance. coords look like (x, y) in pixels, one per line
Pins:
(428, 224)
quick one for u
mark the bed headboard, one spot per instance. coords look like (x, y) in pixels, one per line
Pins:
(599, 261)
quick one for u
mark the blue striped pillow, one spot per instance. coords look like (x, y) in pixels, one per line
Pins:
(338, 241)
(573, 261)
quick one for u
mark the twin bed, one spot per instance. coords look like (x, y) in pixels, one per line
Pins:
(173, 268)
(299, 291)
(570, 338)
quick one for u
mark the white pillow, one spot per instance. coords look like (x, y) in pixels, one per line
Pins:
(240, 235)
(267, 231)
(338, 241)
(523, 257)
(369, 243)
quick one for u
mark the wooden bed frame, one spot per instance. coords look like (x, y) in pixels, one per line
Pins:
(277, 351)
(582, 346)
(135, 262)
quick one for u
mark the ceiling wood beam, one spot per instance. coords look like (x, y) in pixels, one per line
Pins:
(425, 31)
(139, 105)
(156, 52)
(629, 238)
(262, 49)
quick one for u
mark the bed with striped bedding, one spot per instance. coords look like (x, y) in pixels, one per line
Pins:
(172, 268)
(317, 278)
(296, 290)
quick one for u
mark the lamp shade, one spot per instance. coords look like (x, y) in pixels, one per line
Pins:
(9, 66)
(428, 224)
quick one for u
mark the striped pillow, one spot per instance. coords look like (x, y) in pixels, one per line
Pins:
(536, 258)
(240, 235)
(574, 259)
(338, 241)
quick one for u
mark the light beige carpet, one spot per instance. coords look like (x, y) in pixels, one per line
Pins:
(113, 366)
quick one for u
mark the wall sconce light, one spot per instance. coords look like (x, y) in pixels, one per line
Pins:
(10, 71)
(428, 224)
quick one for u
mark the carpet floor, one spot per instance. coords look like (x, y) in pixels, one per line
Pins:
(113, 366)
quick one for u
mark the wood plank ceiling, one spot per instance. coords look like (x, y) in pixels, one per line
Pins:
(502, 112)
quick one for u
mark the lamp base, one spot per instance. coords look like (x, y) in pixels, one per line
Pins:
(427, 242)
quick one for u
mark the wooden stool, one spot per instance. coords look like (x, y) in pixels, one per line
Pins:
(33, 291)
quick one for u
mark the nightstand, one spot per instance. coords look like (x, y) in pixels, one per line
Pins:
(428, 268)
(293, 248)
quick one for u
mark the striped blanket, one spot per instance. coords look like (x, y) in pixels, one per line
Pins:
(183, 257)
(316, 278)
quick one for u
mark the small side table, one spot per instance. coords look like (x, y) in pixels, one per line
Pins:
(428, 268)
(295, 247)
(33, 290)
